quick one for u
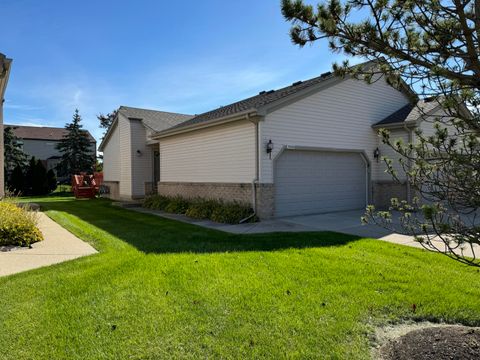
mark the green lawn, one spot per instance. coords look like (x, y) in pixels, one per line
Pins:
(164, 289)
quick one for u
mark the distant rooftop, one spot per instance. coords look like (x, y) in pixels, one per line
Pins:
(41, 132)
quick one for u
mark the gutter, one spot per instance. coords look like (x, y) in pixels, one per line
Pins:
(397, 125)
(246, 114)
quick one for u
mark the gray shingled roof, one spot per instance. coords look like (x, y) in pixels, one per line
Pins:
(410, 112)
(255, 102)
(156, 120)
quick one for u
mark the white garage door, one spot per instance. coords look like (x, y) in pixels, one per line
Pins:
(309, 182)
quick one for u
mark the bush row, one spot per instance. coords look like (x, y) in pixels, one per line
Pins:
(17, 225)
(32, 179)
(216, 210)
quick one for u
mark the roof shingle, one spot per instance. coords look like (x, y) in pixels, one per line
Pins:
(41, 132)
(155, 120)
(254, 102)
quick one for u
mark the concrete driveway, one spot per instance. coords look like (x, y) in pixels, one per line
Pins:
(345, 222)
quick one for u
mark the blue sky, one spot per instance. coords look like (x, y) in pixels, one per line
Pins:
(180, 56)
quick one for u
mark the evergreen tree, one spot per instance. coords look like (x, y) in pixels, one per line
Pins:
(30, 175)
(39, 179)
(14, 155)
(434, 47)
(51, 180)
(17, 180)
(76, 150)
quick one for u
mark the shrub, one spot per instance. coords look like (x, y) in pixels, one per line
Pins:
(201, 209)
(17, 180)
(230, 213)
(219, 211)
(157, 202)
(17, 225)
(51, 180)
(177, 205)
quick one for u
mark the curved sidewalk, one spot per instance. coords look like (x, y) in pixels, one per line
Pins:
(58, 245)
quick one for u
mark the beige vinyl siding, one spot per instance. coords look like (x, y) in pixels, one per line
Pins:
(125, 157)
(387, 151)
(338, 117)
(224, 153)
(141, 162)
(111, 156)
(428, 125)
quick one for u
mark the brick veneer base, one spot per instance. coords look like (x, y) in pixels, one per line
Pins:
(383, 191)
(239, 192)
(114, 193)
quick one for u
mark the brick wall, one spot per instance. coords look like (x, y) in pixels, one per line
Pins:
(265, 201)
(383, 191)
(239, 192)
(114, 191)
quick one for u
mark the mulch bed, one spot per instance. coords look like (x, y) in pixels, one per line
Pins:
(435, 343)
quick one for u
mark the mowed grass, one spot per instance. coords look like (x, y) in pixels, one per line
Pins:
(161, 289)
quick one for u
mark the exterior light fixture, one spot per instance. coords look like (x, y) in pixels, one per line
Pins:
(269, 148)
(139, 153)
(376, 154)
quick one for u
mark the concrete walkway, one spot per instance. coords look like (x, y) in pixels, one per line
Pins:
(59, 245)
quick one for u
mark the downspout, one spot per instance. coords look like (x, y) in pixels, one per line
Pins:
(410, 140)
(257, 167)
(152, 152)
(367, 178)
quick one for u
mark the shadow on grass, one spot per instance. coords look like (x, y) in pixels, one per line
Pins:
(153, 234)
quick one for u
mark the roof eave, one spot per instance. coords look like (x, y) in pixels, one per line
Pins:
(108, 134)
(246, 114)
(396, 125)
(6, 64)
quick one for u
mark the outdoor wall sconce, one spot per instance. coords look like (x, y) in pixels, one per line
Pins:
(269, 148)
(376, 154)
(139, 153)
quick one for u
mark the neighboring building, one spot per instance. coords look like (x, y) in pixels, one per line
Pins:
(310, 147)
(41, 142)
(5, 65)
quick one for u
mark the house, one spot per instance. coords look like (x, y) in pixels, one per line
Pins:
(5, 65)
(41, 142)
(310, 147)
(131, 166)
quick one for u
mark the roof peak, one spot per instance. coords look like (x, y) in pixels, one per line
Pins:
(152, 110)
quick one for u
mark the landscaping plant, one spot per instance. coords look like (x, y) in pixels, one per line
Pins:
(216, 210)
(18, 226)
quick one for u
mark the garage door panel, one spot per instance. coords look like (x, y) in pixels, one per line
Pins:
(309, 182)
